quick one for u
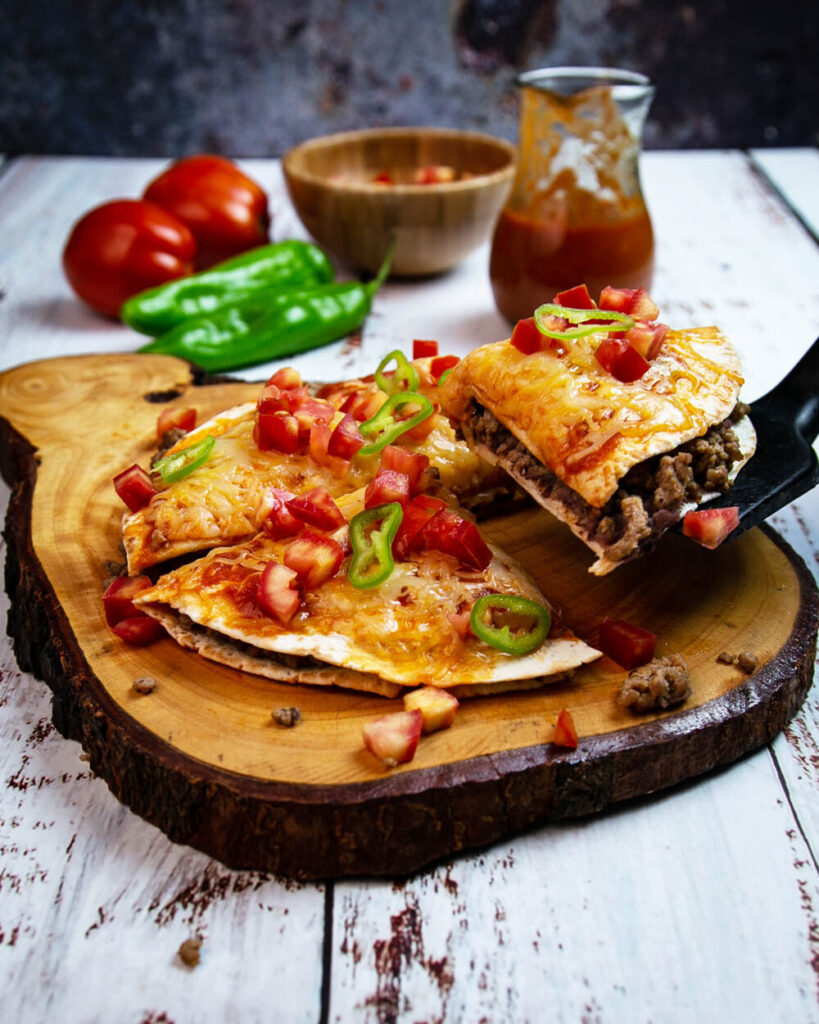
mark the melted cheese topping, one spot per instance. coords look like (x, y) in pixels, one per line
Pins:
(589, 427)
(399, 631)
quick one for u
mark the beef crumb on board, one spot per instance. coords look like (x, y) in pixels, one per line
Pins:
(661, 684)
(144, 685)
(286, 717)
(746, 661)
(189, 951)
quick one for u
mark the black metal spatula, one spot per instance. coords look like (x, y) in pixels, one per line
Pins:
(785, 465)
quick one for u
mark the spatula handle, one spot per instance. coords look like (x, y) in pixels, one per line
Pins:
(796, 397)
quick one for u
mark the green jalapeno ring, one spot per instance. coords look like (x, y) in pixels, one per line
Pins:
(373, 550)
(444, 375)
(619, 321)
(384, 427)
(178, 465)
(502, 637)
(405, 377)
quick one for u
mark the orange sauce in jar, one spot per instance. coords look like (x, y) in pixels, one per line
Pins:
(532, 260)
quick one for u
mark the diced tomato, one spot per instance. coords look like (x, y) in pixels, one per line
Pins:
(402, 460)
(174, 419)
(617, 300)
(280, 521)
(575, 298)
(461, 622)
(286, 378)
(346, 439)
(417, 514)
(277, 596)
(309, 412)
(117, 601)
(434, 174)
(394, 738)
(625, 643)
(134, 487)
(710, 526)
(453, 535)
(276, 431)
(421, 430)
(387, 486)
(440, 364)
(526, 337)
(422, 349)
(139, 630)
(320, 434)
(314, 558)
(565, 731)
(643, 307)
(618, 358)
(317, 508)
(272, 398)
(364, 403)
(646, 338)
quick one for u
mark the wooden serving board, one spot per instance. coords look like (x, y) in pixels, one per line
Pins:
(200, 756)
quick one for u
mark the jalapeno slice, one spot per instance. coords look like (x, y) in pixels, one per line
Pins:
(613, 321)
(178, 465)
(524, 636)
(373, 561)
(404, 378)
(383, 428)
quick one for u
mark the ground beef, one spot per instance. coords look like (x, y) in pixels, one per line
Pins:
(662, 683)
(650, 496)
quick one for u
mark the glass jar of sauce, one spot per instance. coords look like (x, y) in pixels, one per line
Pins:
(576, 213)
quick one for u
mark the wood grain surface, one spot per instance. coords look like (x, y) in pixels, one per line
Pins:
(305, 801)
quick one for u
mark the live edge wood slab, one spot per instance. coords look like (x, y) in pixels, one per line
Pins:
(201, 758)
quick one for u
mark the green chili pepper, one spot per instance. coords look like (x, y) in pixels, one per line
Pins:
(178, 465)
(502, 637)
(444, 375)
(405, 377)
(293, 321)
(619, 321)
(288, 264)
(384, 428)
(372, 548)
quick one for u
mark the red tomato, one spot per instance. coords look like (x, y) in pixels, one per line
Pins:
(450, 534)
(710, 526)
(421, 349)
(621, 360)
(175, 419)
(626, 644)
(346, 439)
(314, 558)
(139, 630)
(117, 601)
(280, 522)
(225, 210)
(565, 731)
(387, 486)
(575, 298)
(526, 337)
(417, 514)
(134, 487)
(412, 464)
(317, 508)
(440, 364)
(277, 596)
(124, 247)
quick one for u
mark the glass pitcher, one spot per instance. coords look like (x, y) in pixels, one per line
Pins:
(576, 212)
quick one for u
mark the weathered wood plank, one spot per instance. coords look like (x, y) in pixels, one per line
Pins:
(795, 175)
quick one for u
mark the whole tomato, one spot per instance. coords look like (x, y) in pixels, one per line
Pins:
(124, 247)
(225, 210)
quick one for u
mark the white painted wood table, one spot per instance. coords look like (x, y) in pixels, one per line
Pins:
(699, 904)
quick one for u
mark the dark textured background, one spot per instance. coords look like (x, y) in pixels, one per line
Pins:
(251, 78)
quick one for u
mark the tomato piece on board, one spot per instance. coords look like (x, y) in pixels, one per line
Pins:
(710, 526)
(277, 596)
(421, 349)
(438, 707)
(417, 514)
(402, 460)
(118, 599)
(393, 738)
(280, 521)
(387, 485)
(440, 364)
(134, 487)
(346, 439)
(314, 558)
(453, 535)
(175, 419)
(575, 298)
(124, 247)
(225, 210)
(526, 337)
(625, 643)
(565, 731)
(139, 630)
(621, 360)
(317, 508)
(277, 432)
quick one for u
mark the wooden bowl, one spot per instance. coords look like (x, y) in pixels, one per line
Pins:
(331, 183)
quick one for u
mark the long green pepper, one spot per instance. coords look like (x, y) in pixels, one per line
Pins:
(293, 321)
(245, 278)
